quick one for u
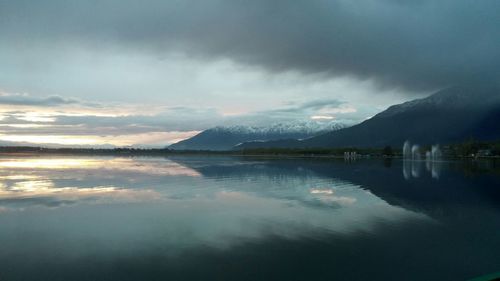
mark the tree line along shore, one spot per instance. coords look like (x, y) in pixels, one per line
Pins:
(466, 149)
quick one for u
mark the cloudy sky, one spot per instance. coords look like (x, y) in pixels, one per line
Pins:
(149, 73)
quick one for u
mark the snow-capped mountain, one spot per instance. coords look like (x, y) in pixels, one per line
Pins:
(299, 127)
(225, 138)
(450, 115)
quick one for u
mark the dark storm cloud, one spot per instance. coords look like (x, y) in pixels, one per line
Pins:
(414, 44)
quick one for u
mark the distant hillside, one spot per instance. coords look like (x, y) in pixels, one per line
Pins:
(225, 138)
(450, 115)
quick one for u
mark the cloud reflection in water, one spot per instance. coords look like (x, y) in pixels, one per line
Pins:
(156, 201)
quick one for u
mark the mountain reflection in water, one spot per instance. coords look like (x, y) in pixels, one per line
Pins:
(202, 218)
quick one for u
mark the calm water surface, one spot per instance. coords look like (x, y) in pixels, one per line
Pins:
(223, 218)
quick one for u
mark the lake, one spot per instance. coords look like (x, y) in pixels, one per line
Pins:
(234, 218)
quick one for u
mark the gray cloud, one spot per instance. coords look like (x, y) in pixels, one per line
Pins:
(417, 45)
(292, 112)
(180, 118)
(20, 99)
(301, 111)
(314, 105)
(19, 203)
(173, 119)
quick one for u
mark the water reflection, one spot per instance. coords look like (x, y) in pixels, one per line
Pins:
(145, 165)
(280, 203)
(183, 218)
(413, 168)
(57, 181)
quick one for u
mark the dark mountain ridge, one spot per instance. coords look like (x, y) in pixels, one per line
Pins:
(450, 115)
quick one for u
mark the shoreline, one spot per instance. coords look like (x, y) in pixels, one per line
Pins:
(97, 152)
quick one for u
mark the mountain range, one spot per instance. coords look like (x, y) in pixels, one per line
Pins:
(226, 138)
(451, 115)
